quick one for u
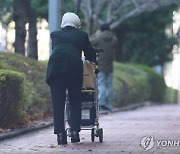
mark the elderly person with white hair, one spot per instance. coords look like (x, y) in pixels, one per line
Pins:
(65, 72)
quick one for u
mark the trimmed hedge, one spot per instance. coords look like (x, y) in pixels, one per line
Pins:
(156, 83)
(130, 85)
(136, 83)
(171, 95)
(11, 97)
(37, 101)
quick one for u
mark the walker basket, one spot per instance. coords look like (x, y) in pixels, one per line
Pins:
(88, 112)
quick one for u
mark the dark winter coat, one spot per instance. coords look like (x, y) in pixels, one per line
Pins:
(67, 46)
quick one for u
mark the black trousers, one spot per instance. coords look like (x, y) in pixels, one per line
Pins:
(58, 86)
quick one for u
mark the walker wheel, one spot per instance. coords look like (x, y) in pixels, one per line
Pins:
(92, 134)
(100, 132)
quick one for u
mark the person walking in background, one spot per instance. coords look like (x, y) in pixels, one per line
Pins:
(105, 40)
(65, 72)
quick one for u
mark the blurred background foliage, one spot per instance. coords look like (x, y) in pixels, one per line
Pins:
(146, 39)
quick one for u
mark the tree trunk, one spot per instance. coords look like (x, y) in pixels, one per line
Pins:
(32, 50)
(19, 15)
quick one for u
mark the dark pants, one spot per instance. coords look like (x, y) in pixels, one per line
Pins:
(58, 87)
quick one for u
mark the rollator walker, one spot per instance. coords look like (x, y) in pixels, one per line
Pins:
(90, 106)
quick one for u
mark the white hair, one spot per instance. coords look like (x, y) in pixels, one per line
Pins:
(70, 19)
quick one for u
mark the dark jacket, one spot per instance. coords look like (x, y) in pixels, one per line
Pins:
(67, 46)
(107, 41)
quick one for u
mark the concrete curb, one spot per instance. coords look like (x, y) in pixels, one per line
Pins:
(132, 106)
(127, 108)
(24, 130)
(49, 123)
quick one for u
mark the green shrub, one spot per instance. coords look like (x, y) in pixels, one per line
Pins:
(11, 97)
(156, 83)
(171, 95)
(130, 85)
(38, 99)
(136, 83)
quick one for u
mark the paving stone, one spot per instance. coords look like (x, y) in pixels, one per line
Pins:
(123, 132)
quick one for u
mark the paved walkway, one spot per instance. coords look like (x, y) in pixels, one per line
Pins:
(123, 132)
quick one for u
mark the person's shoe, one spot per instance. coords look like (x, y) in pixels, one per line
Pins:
(75, 136)
(62, 138)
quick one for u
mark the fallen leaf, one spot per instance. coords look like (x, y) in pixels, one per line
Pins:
(52, 146)
(26, 64)
(29, 72)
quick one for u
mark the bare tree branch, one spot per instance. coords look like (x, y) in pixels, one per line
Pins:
(109, 12)
(116, 11)
(85, 8)
(121, 8)
(148, 5)
(135, 3)
(77, 4)
(99, 7)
